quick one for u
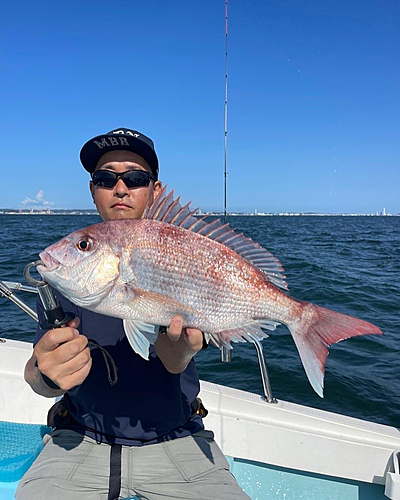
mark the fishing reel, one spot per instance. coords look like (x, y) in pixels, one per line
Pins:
(54, 314)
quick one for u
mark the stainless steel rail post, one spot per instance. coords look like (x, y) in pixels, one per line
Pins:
(226, 354)
(264, 372)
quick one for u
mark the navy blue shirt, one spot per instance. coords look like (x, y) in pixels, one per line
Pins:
(147, 405)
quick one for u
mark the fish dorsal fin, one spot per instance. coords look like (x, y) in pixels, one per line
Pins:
(166, 209)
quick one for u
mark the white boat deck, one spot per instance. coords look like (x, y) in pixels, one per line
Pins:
(283, 435)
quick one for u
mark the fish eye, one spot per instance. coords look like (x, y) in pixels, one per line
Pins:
(84, 245)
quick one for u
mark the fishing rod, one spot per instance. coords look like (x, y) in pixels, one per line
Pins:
(226, 354)
(226, 107)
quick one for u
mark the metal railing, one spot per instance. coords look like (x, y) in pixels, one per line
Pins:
(7, 287)
(6, 290)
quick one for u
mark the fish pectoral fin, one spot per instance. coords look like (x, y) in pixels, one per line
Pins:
(245, 333)
(140, 335)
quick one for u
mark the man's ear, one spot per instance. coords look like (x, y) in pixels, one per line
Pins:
(157, 188)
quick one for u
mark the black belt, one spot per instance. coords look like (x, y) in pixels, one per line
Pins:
(114, 485)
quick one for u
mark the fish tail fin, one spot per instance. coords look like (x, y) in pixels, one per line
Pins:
(315, 330)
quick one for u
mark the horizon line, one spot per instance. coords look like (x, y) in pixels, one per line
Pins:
(93, 211)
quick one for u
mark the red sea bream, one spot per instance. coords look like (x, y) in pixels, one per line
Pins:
(146, 271)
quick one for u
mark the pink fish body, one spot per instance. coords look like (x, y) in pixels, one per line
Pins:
(147, 271)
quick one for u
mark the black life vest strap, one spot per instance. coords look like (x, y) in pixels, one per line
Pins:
(115, 472)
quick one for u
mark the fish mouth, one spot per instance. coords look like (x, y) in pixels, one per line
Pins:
(49, 263)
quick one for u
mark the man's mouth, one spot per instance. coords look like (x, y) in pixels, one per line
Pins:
(120, 205)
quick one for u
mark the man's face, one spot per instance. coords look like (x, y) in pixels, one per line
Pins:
(121, 202)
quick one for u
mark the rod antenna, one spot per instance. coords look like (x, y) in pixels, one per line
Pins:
(226, 354)
(226, 105)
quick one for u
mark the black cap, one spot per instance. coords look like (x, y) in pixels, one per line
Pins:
(120, 138)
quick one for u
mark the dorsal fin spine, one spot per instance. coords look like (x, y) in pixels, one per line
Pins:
(165, 205)
(192, 226)
(211, 228)
(231, 240)
(180, 212)
(172, 206)
(187, 219)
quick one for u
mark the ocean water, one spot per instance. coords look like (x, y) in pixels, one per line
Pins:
(349, 264)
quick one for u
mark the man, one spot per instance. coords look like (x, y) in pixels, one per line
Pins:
(140, 436)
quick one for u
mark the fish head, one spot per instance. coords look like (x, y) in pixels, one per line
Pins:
(83, 266)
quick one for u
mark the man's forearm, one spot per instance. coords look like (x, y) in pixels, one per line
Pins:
(34, 378)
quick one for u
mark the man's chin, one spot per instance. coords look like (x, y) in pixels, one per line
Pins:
(124, 213)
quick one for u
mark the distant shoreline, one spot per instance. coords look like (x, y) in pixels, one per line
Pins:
(38, 212)
(210, 214)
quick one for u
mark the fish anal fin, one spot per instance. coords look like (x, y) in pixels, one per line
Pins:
(245, 333)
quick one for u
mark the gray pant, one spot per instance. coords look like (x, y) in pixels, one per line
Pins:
(74, 467)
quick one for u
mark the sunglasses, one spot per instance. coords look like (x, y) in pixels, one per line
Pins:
(131, 178)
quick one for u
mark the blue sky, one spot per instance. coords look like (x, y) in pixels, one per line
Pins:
(314, 101)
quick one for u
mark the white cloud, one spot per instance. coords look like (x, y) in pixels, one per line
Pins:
(38, 201)
(28, 201)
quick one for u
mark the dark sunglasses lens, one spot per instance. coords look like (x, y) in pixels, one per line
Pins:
(105, 179)
(132, 178)
(136, 178)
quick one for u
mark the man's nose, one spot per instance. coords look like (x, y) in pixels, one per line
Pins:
(121, 188)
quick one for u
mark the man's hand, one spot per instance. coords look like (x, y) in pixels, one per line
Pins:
(178, 346)
(63, 356)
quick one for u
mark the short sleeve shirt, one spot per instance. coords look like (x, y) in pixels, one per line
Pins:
(147, 405)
